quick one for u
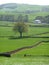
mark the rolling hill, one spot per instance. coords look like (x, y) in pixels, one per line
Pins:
(13, 7)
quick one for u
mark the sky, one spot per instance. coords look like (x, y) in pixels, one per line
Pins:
(33, 2)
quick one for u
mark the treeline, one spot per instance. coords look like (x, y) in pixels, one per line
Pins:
(43, 19)
(13, 18)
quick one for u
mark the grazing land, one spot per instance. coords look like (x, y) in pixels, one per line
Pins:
(34, 56)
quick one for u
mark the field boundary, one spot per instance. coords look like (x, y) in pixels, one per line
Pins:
(8, 54)
(31, 36)
(29, 25)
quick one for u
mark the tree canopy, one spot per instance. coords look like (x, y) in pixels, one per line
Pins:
(20, 27)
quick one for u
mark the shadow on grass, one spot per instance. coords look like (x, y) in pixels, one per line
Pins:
(25, 55)
(5, 54)
(28, 55)
(13, 37)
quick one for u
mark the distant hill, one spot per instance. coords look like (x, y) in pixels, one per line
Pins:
(8, 5)
(21, 8)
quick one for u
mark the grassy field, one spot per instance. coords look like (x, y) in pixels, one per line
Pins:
(24, 61)
(36, 58)
(8, 31)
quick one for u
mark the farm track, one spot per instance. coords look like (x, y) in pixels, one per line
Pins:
(8, 54)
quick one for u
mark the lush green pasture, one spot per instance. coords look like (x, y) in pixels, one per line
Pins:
(8, 31)
(24, 61)
(47, 34)
(37, 30)
(18, 58)
(6, 23)
(7, 44)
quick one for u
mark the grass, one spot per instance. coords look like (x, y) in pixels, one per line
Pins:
(5, 45)
(18, 58)
(24, 61)
(8, 31)
(11, 44)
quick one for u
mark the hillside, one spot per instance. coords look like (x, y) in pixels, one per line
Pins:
(13, 7)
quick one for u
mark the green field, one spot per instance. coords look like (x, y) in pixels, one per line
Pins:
(37, 53)
(24, 61)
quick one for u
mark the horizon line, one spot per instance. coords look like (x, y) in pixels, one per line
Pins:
(25, 4)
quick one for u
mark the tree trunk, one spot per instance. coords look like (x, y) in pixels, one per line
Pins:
(20, 34)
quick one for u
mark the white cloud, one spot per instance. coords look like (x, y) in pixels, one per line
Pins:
(39, 2)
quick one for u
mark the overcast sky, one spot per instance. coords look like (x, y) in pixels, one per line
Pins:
(36, 2)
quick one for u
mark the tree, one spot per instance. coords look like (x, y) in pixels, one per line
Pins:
(20, 27)
(26, 18)
(20, 18)
(47, 19)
